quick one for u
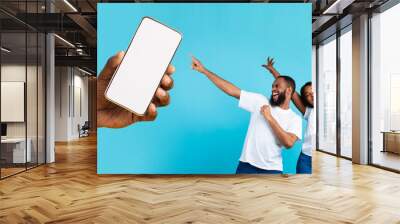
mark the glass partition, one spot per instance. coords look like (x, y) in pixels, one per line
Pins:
(385, 89)
(346, 93)
(23, 91)
(14, 153)
(327, 95)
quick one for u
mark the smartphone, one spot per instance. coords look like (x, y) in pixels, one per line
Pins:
(136, 79)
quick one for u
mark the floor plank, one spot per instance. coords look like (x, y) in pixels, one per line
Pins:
(70, 191)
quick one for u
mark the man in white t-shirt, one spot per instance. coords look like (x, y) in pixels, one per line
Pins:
(305, 104)
(273, 125)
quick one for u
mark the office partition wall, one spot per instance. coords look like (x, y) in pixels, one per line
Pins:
(14, 151)
(22, 98)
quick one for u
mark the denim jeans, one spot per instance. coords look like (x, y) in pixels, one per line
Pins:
(304, 164)
(247, 168)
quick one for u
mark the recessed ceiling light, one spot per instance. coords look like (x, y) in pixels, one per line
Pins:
(65, 41)
(338, 6)
(84, 71)
(70, 5)
(5, 50)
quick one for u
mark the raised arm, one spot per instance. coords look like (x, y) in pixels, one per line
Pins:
(296, 97)
(222, 84)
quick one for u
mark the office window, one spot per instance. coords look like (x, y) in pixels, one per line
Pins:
(327, 95)
(385, 88)
(346, 92)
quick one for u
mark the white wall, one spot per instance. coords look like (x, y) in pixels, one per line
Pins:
(61, 103)
(33, 127)
(81, 102)
(70, 83)
(15, 72)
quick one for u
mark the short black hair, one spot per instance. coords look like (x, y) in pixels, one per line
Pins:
(290, 82)
(302, 94)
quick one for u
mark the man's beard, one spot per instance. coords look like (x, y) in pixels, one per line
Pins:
(281, 99)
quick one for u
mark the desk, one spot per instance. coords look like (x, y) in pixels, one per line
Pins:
(391, 141)
(18, 151)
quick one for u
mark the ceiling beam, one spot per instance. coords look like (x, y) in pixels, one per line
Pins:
(80, 61)
(84, 24)
(337, 6)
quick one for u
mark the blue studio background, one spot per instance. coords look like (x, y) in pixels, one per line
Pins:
(202, 131)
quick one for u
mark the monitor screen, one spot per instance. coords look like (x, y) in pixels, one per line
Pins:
(3, 129)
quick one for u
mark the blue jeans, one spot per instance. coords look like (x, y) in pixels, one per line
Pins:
(247, 168)
(304, 164)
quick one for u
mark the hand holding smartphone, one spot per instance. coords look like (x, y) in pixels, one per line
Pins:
(137, 77)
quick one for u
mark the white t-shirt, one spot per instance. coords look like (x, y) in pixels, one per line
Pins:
(309, 136)
(261, 148)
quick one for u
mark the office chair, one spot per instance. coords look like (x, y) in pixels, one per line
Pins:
(84, 130)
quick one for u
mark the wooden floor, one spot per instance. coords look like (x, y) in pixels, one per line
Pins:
(70, 191)
(5, 172)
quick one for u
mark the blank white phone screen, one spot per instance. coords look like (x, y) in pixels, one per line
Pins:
(143, 66)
